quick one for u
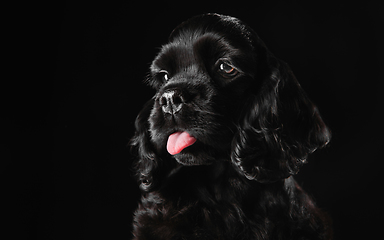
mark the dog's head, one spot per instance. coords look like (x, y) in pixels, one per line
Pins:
(222, 96)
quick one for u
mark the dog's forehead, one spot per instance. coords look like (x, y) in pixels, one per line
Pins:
(207, 37)
(216, 23)
(193, 48)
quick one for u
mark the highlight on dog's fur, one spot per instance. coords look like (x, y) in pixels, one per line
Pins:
(219, 143)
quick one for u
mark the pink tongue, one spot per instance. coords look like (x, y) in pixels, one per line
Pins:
(178, 141)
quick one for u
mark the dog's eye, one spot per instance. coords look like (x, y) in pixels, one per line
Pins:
(227, 70)
(163, 75)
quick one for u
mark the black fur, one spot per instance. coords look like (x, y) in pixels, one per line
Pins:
(254, 126)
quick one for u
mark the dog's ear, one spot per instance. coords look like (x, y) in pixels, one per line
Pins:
(279, 128)
(147, 162)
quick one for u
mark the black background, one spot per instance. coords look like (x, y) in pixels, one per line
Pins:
(75, 87)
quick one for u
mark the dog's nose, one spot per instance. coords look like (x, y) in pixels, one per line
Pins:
(171, 101)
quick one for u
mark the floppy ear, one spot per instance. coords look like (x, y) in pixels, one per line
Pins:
(147, 164)
(279, 128)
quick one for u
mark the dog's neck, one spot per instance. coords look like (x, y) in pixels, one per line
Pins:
(215, 170)
(198, 182)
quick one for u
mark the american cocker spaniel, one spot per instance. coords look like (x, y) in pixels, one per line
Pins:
(219, 143)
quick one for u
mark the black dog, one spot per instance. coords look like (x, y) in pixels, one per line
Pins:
(219, 142)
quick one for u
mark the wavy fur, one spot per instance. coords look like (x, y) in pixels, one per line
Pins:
(254, 128)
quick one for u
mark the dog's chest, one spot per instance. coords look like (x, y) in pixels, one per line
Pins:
(198, 219)
(212, 212)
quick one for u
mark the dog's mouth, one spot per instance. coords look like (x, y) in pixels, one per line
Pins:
(178, 141)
